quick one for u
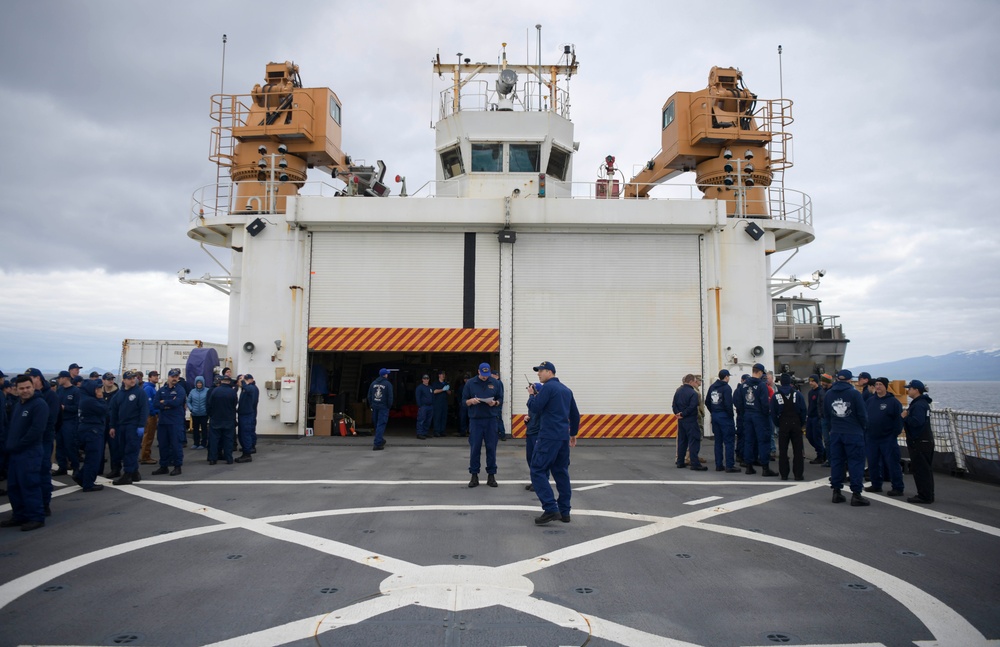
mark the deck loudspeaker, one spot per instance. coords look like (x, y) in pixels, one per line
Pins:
(753, 231)
(248, 347)
(256, 226)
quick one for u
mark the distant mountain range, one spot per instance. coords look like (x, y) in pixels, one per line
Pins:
(964, 365)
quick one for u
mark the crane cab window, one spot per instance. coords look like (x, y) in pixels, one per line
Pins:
(487, 158)
(451, 162)
(335, 110)
(525, 158)
(558, 166)
(668, 114)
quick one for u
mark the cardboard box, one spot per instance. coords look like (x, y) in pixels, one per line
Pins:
(324, 412)
(323, 427)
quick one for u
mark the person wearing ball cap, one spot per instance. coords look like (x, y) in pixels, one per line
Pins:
(558, 425)
(380, 401)
(844, 408)
(531, 429)
(757, 420)
(920, 441)
(481, 394)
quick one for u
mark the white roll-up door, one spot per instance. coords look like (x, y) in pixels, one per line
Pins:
(618, 314)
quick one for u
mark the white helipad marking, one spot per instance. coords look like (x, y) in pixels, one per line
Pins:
(452, 587)
(705, 500)
(591, 487)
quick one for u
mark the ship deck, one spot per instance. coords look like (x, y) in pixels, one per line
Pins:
(321, 541)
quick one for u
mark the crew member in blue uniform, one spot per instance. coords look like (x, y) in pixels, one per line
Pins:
(221, 421)
(25, 448)
(115, 445)
(719, 399)
(498, 412)
(93, 416)
(425, 406)
(685, 407)
(559, 423)
(67, 453)
(48, 438)
(825, 382)
(844, 408)
(482, 395)
(885, 422)
(865, 385)
(814, 430)
(920, 441)
(246, 414)
(788, 412)
(152, 429)
(757, 422)
(532, 423)
(129, 410)
(739, 402)
(380, 401)
(440, 389)
(170, 399)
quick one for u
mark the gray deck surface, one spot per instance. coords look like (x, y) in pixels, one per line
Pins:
(321, 541)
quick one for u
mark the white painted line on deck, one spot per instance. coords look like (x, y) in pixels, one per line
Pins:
(592, 487)
(705, 500)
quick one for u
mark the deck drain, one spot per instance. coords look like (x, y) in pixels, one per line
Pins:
(463, 514)
(327, 590)
(165, 532)
(327, 487)
(856, 586)
(947, 531)
(460, 557)
(808, 513)
(585, 590)
(909, 553)
(553, 532)
(779, 637)
(368, 532)
(231, 499)
(234, 556)
(125, 639)
(111, 514)
(755, 530)
(53, 588)
(682, 555)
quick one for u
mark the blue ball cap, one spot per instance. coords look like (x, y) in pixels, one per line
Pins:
(844, 374)
(484, 368)
(547, 366)
(174, 372)
(916, 384)
(383, 372)
(865, 374)
(724, 374)
(33, 372)
(64, 374)
(760, 368)
(814, 377)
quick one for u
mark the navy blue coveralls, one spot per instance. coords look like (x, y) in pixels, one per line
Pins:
(440, 416)
(221, 423)
(246, 415)
(380, 400)
(920, 445)
(425, 409)
(720, 406)
(26, 450)
(756, 422)
(482, 423)
(739, 401)
(685, 404)
(558, 419)
(93, 419)
(48, 439)
(885, 421)
(67, 446)
(170, 428)
(531, 431)
(129, 409)
(789, 428)
(814, 429)
(844, 409)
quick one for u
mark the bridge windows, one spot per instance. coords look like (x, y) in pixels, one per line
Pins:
(487, 158)
(451, 162)
(525, 158)
(558, 166)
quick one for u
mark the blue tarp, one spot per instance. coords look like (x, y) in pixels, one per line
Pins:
(203, 362)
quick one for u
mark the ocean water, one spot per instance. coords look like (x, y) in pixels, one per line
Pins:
(965, 396)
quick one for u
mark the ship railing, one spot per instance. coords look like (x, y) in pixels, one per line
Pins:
(966, 442)
(211, 202)
(480, 95)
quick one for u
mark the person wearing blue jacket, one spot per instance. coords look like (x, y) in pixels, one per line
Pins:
(844, 409)
(757, 422)
(482, 395)
(150, 387)
(67, 453)
(170, 399)
(93, 415)
(246, 417)
(719, 400)
(739, 402)
(440, 390)
(685, 407)
(25, 447)
(532, 424)
(48, 439)
(814, 430)
(222, 421)
(920, 441)
(380, 401)
(885, 422)
(197, 404)
(558, 425)
(425, 406)
(788, 413)
(129, 410)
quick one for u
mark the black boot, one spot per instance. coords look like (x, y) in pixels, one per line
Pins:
(838, 497)
(750, 469)
(124, 479)
(474, 481)
(161, 470)
(491, 481)
(136, 476)
(857, 499)
(176, 471)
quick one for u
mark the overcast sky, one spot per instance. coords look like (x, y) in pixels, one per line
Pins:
(105, 137)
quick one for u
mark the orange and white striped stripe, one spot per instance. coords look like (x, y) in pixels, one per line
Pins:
(435, 340)
(611, 425)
